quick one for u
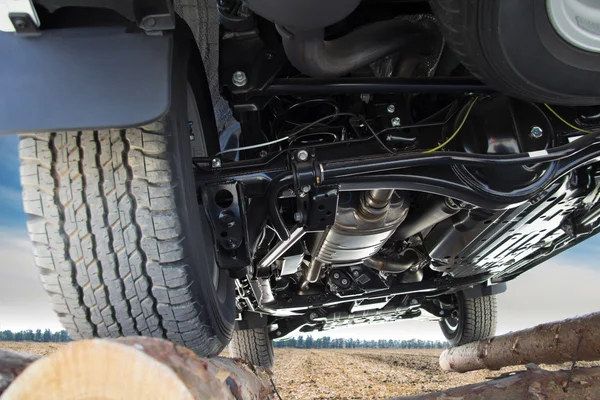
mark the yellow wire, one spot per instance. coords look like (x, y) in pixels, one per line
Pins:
(441, 146)
(565, 121)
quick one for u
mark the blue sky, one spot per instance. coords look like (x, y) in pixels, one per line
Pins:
(563, 287)
(11, 210)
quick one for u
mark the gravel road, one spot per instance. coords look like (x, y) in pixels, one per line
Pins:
(349, 373)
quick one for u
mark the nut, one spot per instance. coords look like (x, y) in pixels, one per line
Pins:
(239, 78)
(298, 216)
(216, 163)
(391, 108)
(395, 122)
(536, 132)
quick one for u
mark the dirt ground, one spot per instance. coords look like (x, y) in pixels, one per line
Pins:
(349, 373)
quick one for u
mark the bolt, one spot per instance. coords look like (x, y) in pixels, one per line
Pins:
(231, 244)
(344, 281)
(536, 132)
(391, 108)
(355, 273)
(150, 22)
(442, 312)
(306, 189)
(263, 153)
(414, 302)
(298, 216)
(302, 155)
(336, 275)
(239, 78)
(313, 315)
(365, 98)
(216, 163)
(395, 121)
(269, 55)
(227, 219)
(192, 137)
(20, 23)
(278, 333)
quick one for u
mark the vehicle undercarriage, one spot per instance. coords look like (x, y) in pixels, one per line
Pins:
(299, 164)
(370, 197)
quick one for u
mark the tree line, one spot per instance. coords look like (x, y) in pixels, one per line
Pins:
(338, 343)
(34, 336)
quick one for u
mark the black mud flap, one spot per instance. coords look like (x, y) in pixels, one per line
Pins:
(83, 78)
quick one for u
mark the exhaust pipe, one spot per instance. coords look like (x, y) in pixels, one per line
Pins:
(316, 57)
(407, 260)
(301, 24)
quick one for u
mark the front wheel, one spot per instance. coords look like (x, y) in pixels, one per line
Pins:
(473, 320)
(122, 244)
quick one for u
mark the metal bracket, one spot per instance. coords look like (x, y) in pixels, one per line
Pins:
(303, 167)
(155, 23)
(225, 208)
(322, 207)
(18, 16)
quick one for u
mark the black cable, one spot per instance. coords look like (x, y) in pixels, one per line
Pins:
(320, 120)
(376, 135)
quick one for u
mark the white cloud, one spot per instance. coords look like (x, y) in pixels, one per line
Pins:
(23, 302)
(557, 289)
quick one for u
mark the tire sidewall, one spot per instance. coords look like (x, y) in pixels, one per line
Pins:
(198, 246)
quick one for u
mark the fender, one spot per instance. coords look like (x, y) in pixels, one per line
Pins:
(83, 79)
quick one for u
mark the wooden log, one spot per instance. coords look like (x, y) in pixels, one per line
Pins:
(136, 368)
(551, 343)
(11, 365)
(535, 383)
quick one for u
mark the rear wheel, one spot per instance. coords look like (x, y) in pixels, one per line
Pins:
(122, 245)
(253, 346)
(473, 320)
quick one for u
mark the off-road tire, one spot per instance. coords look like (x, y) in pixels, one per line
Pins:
(121, 243)
(477, 319)
(253, 346)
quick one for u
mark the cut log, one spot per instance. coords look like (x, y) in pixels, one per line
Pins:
(11, 365)
(534, 383)
(136, 368)
(551, 343)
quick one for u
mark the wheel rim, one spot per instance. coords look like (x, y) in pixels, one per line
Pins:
(451, 324)
(219, 280)
(577, 22)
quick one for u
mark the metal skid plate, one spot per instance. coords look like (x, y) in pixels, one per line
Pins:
(518, 238)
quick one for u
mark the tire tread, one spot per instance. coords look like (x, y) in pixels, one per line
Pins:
(253, 346)
(107, 238)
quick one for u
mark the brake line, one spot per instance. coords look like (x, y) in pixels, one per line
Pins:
(445, 143)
